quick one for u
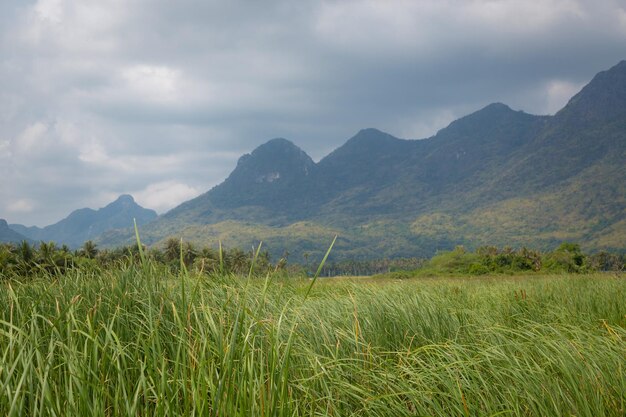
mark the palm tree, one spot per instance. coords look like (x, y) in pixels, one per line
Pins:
(46, 259)
(46, 251)
(171, 251)
(189, 253)
(208, 253)
(239, 261)
(7, 257)
(89, 249)
(206, 260)
(25, 252)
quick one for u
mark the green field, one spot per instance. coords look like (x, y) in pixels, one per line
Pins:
(142, 341)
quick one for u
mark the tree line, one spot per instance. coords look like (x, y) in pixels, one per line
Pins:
(25, 259)
(566, 258)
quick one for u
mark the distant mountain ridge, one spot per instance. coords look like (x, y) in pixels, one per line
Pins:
(87, 224)
(8, 235)
(496, 176)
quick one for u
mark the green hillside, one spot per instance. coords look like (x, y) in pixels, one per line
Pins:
(496, 176)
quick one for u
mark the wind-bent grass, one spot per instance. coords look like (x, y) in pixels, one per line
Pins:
(131, 342)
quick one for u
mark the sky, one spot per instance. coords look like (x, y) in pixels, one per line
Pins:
(159, 98)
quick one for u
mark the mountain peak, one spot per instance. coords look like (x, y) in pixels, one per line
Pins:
(493, 110)
(124, 201)
(489, 118)
(274, 151)
(125, 198)
(369, 131)
(278, 142)
(368, 140)
(280, 146)
(370, 150)
(86, 223)
(496, 107)
(3, 224)
(603, 100)
(372, 134)
(262, 176)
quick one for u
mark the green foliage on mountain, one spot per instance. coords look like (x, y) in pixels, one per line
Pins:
(496, 176)
(85, 224)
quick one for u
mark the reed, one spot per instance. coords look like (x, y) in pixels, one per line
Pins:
(144, 341)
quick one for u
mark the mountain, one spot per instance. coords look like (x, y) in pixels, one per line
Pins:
(86, 224)
(8, 235)
(269, 180)
(497, 176)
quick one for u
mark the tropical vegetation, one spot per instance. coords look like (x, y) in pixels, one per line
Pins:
(141, 338)
(566, 258)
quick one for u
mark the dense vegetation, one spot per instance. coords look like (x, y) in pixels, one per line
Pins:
(26, 260)
(182, 330)
(567, 258)
(142, 339)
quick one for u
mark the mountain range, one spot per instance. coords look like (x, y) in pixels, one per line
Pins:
(494, 177)
(87, 224)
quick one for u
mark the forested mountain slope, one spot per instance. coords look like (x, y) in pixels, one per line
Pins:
(496, 176)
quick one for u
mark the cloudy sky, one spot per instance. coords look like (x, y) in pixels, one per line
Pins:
(159, 98)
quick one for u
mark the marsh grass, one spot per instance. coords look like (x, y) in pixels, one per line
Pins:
(140, 341)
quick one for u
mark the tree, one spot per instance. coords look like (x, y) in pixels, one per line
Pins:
(25, 252)
(89, 249)
(171, 251)
(567, 257)
(189, 253)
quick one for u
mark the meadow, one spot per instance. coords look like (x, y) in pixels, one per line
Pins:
(140, 340)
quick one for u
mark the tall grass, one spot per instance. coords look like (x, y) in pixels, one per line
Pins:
(130, 341)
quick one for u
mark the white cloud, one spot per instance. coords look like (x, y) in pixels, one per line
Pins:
(94, 153)
(419, 127)
(165, 195)
(399, 27)
(153, 83)
(374, 23)
(20, 206)
(621, 17)
(5, 149)
(32, 139)
(49, 10)
(558, 93)
(521, 16)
